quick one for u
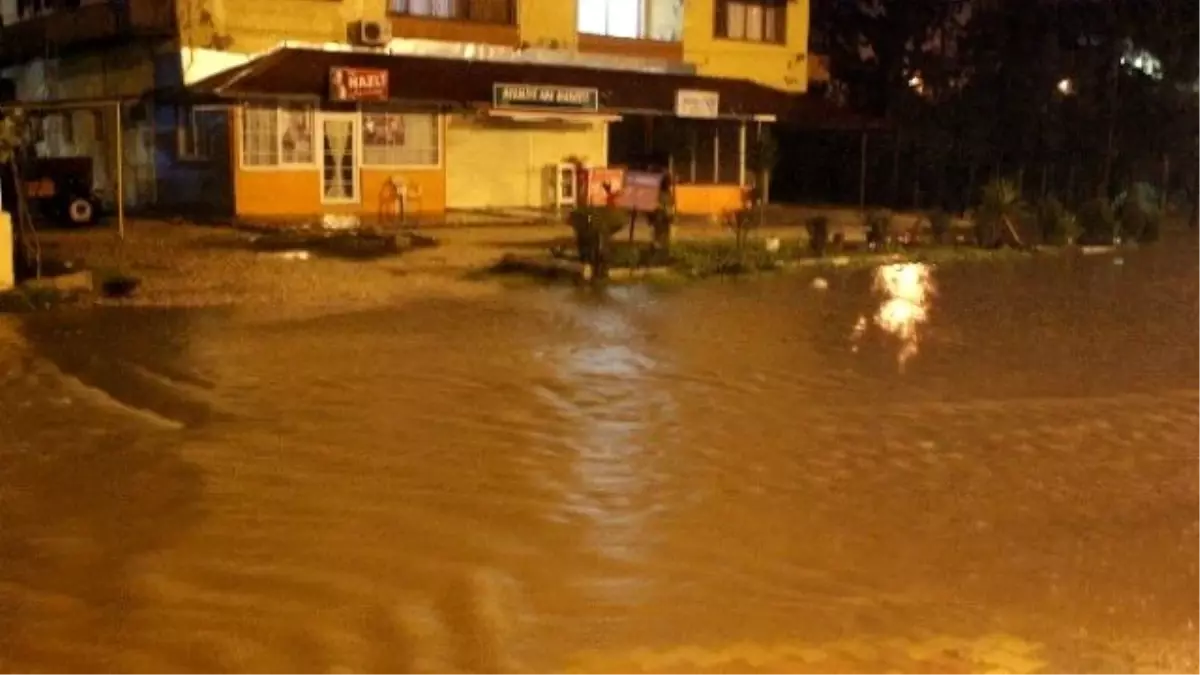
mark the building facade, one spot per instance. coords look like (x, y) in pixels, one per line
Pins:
(276, 108)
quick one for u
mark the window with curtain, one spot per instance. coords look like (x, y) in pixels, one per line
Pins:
(400, 139)
(296, 139)
(442, 9)
(260, 136)
(613, 18)
(751, 20)
(277, 136)
(483, 11)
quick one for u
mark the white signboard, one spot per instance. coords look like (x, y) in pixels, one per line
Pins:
(697, 104)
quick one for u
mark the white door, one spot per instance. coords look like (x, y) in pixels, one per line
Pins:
(340, 145)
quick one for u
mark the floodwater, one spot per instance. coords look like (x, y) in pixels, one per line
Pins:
(974, 467)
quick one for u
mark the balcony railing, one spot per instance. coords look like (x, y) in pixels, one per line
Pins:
(499, 12)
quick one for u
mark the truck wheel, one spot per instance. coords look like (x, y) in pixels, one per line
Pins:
(80, 211)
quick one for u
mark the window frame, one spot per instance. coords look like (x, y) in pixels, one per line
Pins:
(186, 118)
(642, 31)
(279, 165)
(315, 115)
(697, 147)
(439, 130)
(721, 21)
(461, 11)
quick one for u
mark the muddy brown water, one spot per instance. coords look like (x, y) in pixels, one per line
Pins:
(551, 479)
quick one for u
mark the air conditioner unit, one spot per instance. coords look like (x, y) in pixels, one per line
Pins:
(370, 33)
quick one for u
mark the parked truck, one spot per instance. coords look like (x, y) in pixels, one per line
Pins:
(59, 189)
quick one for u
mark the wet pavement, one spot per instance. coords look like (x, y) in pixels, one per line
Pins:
(984, 467)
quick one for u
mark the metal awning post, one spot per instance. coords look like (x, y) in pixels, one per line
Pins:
(862, 171)
(120, 174)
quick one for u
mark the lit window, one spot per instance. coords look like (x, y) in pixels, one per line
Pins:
(484, 11)
(395, 139)
(296, 139)
(613, 18)
(751, 20)
(735, 20)
(442, 9)
(277, 136)
(260, 134)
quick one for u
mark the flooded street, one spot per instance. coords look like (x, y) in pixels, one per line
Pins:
(974, 467)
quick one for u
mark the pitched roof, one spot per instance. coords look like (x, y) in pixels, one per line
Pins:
(293, 72)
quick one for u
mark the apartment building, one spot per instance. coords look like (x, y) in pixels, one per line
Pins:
(291, 108)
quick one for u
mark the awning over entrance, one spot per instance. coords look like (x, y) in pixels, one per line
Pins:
(305, 72)
(550, 116)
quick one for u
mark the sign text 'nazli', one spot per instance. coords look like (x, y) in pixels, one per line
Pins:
(358, 84)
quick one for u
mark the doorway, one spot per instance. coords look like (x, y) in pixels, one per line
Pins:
(339, 159)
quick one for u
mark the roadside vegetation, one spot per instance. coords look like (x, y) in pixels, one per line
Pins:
(1001, 225)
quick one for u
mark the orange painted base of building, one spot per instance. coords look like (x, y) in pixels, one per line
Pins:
(707, 200)
(288, 193)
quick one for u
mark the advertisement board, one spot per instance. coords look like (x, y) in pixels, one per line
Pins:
(545, 96)
(597, 178)
(358, 84)
(640, 191)
(697, 104)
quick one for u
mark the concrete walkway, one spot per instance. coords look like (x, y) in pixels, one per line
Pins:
(183, 264)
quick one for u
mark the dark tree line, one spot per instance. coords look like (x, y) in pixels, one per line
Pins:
(1076, 98)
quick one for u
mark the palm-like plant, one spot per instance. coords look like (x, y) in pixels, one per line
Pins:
(14, 129)
(999, 213)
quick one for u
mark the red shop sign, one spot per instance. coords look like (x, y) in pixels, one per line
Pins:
(358, 84)
(597, 179)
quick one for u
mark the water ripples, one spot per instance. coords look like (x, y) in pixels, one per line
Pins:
(500, 485)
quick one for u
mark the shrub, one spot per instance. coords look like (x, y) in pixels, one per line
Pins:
(625, 255)
(818, 234)
(1056, 224)
(1138, 213)
(837, 242)
(118, 284)
(1070, 228)
(1000, 213)
(1151, 228)
(594, 228)
(879, 225)
(986, 231)
(742, 222)
(939, 225)
(1097, 222)
(702, 259)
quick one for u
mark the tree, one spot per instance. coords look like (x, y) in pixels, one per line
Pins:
(1107, 88)
(13, 140)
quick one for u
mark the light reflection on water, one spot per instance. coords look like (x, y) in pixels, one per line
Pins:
(605, 392)
(907, 289)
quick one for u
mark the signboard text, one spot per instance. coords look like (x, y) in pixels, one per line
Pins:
(358, 84)
(697, 104)
(543, 96)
